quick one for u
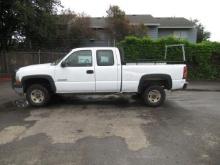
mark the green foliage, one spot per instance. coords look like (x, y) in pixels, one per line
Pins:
(31, 19)
(71, 29)
(118, 24)
(198, 56)
(8, 22)
(37, 21)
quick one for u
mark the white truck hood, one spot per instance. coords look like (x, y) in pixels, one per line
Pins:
(37, 66)
(39, 69)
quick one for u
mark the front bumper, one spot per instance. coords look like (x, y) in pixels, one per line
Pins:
(17, 87)
(185, 86)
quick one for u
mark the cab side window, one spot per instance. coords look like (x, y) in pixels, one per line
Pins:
(80, 58)
(105, 57)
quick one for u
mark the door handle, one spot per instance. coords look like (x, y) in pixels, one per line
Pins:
(89, 71)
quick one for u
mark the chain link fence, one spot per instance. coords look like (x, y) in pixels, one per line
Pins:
(9, 61)
(17, 59)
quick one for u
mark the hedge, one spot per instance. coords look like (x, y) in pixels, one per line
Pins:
(199, 57)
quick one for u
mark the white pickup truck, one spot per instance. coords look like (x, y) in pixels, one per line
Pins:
(98, 70)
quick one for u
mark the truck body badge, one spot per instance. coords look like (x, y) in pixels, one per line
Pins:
(61, 79)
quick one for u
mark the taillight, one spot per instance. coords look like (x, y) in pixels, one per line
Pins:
(185, 72)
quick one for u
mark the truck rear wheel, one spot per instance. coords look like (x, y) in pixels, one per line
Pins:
(154, 96)
(37, 95)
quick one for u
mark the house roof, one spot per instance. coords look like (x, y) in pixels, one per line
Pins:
(149, 20)
(101, 22)
(143, 19)
(174, 22)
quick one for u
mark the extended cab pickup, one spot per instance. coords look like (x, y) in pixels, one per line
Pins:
(98, 70)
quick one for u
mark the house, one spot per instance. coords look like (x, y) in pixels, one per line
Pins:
(178, 27)
(158, 27)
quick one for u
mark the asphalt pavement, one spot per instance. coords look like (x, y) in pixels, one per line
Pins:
(112, 129)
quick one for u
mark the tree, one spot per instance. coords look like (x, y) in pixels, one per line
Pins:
(138, 30)
(202, 34)
(31, 19)
(62, 36)
(118, 24)
(80, 29)
(39, 20)
(8, 22)
(72, 29)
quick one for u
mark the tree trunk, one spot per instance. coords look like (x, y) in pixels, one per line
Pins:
(4, 63)
(3, 50)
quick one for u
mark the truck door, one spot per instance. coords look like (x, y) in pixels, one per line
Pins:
(106, 71)
(78, 74)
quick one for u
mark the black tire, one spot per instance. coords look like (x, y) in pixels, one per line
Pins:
(42, 91)
(154, 96)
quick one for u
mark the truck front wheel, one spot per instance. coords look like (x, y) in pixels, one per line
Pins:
(37, 95)
(154, 96)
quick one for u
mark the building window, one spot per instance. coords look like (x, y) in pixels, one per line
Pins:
(180, 34)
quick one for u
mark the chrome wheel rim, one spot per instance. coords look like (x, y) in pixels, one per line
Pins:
(154, 96)
(37, 96)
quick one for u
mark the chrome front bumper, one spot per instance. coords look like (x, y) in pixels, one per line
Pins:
(18, 90)
(185, 86)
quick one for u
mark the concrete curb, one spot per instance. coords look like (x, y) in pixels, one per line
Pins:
(5, 79)
(203, 90)
(206, 86)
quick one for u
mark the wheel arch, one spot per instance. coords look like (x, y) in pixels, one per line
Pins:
(34, 79)
(149, 79)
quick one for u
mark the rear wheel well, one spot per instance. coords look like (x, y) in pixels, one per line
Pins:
(42, 81)
(147, 83)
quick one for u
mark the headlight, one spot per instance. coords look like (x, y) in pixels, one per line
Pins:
(16, 78)
(17, 81)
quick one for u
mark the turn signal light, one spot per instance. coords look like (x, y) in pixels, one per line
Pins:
(185, 72)
(17, 82)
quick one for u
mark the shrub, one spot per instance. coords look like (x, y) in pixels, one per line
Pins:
(198, 56)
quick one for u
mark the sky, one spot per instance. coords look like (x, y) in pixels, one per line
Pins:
(207, 12)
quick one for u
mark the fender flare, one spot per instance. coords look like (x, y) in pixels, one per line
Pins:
(155, 77)
(46, 77)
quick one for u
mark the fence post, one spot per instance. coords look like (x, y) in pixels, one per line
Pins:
(4, 60)
(39, 56)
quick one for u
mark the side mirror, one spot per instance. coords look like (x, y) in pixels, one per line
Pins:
(123, 63)
(63, 64)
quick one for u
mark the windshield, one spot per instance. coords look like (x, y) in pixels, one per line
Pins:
(56, 62)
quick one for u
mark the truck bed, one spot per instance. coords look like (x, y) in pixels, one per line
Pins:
(145, 62)
(132, 73)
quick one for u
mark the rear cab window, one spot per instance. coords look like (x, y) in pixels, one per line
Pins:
(105, 57)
